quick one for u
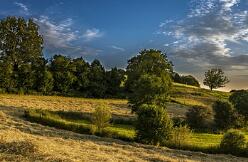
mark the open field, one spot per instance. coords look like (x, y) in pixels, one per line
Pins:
(126, 131)
(21, 140)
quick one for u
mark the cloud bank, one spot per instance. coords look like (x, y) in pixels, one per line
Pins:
(205, 38)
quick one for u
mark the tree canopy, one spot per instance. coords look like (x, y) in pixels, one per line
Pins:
(215, 78)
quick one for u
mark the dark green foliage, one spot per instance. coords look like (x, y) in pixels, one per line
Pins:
(80, 70)
(21, 52)
(199, 117)
(114, 79)
(153, 125)
(150, 89)
(215, 78)
(240, 101)
(151, 61)
(188, 79)
(233, 142)
(223, 114)
(63, 77)
(97, 80)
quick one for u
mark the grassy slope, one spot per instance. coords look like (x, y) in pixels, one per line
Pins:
(53, 144)
(24, 141)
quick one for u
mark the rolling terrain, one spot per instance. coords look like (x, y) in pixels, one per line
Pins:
(21, 140)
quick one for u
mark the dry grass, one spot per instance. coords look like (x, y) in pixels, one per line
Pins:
(24, 141)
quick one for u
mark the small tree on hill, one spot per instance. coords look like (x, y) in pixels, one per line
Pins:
(215, 78)
(101, 117)
(153, 125)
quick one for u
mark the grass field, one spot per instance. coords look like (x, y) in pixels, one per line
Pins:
(197, 140)
(21, 140)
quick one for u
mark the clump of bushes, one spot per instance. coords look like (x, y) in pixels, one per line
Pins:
(153, 125)
(233, 142)
(199, 117)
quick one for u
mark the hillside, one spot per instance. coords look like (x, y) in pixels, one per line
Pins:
(25, 141)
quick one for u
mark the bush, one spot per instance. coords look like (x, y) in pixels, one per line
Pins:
(199, 117)
(233, 142)
(153, 125)
(180, 136)
(101, 117)
(223, 115)
(240, 101)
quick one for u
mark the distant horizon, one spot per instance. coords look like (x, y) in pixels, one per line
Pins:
(196, 35)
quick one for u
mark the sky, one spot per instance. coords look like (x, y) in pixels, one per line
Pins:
(196, 35)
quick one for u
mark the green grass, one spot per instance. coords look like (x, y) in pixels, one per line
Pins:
(190, 95)
(204, 142)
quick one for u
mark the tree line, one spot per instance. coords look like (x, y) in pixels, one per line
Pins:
(23, 68)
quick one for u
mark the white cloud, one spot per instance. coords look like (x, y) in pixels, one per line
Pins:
(117, 48)
(228, 4)
(24, 8)
(203, 38)
(56, 35)
(91, 34)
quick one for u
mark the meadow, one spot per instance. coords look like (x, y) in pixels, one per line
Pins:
(27, 141)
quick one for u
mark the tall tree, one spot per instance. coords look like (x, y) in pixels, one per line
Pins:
(97, 84)
(215, 78)
(114, 79)
(80, 69)
(20, 52)
(63, 77)
(147, 62)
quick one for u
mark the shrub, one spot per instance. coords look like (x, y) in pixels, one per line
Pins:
(199, 117)
(240, 101)
(233, 142)
(101, 117)
(180, 136)
(153, 125)
(223, 114)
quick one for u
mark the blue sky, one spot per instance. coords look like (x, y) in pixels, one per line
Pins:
(195, 34)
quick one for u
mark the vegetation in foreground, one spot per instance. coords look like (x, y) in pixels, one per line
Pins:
(118, 129)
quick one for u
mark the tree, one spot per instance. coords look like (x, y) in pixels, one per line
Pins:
(153, 125)
(240, 101)
(215, 78)
(101, 117)
(150, 89)
(63, 77)
(46, 82)
(223, 114)
(146, 62)
(114, 78)
(199, 117)
(97, 84)
(80, 70)
(21, 51)
(190, 80)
